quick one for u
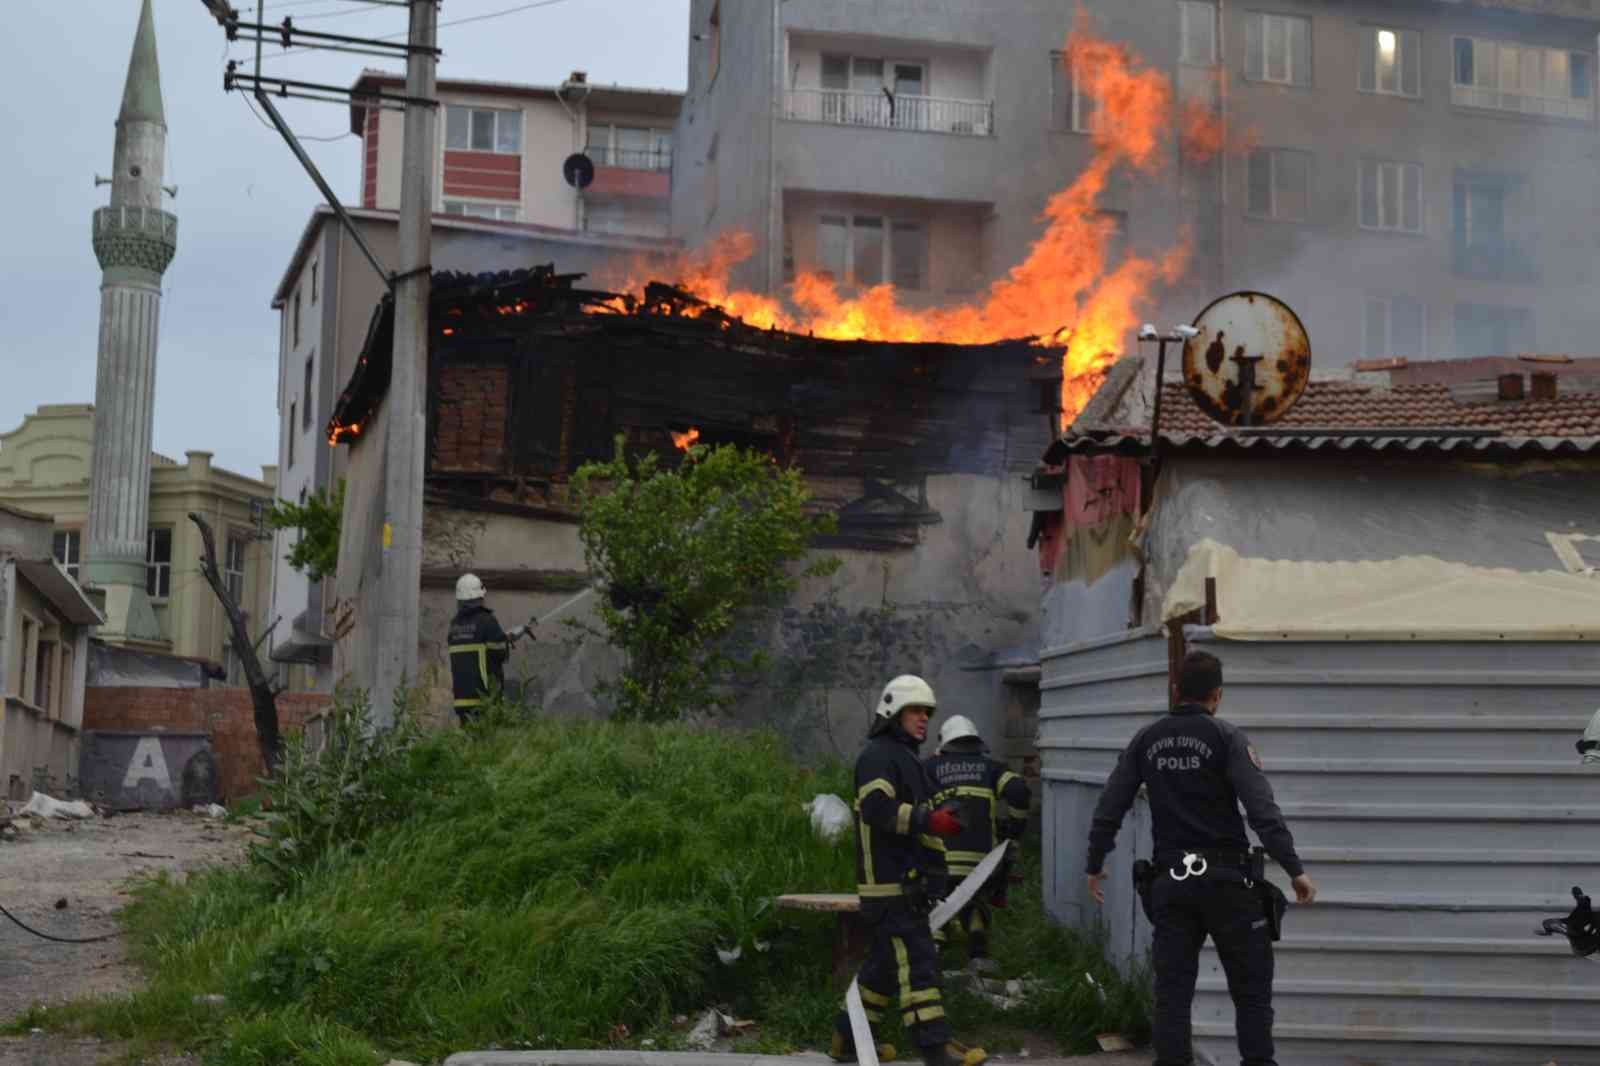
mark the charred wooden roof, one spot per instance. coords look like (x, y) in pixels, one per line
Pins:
(530, 376)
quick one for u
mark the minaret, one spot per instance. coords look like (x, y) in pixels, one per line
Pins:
(134, 239)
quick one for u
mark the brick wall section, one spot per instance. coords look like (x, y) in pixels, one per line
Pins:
(471, 430)
(225, 713)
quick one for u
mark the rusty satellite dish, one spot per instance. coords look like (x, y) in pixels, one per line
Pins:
(1250, 361)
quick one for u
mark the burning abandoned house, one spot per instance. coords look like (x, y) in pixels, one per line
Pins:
(921, 451)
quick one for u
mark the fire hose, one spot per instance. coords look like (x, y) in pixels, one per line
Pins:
(58, 939)
(860, 1028)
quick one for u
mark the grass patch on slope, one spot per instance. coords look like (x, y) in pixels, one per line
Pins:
(533, 884)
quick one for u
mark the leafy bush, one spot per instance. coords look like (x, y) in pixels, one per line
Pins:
(361, 778)
(681, 552)
(315, 552)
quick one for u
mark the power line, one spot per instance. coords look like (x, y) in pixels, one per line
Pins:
(453, 22)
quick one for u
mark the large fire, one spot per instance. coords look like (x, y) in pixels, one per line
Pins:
(1061, 293)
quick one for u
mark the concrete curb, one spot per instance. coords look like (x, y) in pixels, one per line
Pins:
(698, 1058)
(628, 1058)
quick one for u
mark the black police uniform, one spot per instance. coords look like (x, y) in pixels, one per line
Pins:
(1198, 768)
(478, 651)
(992, 803)
(899, 872)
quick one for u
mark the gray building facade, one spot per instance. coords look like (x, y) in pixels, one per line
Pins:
(1413, 178)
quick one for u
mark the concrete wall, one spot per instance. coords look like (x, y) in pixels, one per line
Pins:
(1435, 796)
(956, 608)
(731, 112)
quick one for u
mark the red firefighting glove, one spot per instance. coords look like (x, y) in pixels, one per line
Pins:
(944, 823)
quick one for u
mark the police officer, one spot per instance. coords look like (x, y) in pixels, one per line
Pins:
(478, 649)
(992, 803)
(1198, 768)
(899, 847)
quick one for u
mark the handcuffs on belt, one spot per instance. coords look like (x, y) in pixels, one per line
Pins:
(1193, 866)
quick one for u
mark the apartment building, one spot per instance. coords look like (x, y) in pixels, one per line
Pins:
(44, 469)
(501, 147)
(502, 203)
(1414, 178)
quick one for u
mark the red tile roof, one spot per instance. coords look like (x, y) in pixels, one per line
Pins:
(1345, 405)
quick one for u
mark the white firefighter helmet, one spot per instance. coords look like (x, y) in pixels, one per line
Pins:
(1589, 745)
(907, 690)
(956, 727)
(468, 587)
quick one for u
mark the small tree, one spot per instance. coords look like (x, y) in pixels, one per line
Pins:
(680, 552)
(315, 552)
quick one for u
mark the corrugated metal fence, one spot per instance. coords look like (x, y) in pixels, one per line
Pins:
(1436, 797)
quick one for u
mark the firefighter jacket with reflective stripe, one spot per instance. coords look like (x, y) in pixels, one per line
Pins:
(478, 652)
(895, 853)
(992, 803)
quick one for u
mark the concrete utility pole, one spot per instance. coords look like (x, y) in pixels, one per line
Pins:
(400, 580)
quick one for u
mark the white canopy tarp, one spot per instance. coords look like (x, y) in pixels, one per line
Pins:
(1410, 598)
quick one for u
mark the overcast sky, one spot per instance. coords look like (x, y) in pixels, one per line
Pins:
(242, 199)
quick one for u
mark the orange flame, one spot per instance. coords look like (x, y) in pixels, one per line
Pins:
(1062, 292)
(682, 441)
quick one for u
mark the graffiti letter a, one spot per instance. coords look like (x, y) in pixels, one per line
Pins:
(148, 763)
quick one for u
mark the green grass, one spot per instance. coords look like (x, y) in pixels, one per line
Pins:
(540, 885)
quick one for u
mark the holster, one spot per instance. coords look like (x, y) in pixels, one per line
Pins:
(1144, 876)
(1273, 902)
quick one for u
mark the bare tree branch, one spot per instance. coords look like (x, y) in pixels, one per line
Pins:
(262, 696)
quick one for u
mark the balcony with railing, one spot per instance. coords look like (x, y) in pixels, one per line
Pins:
(880, 109)
(651, 159)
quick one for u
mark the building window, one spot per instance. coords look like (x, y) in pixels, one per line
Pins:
(67, 546)
(1482, 329)
(1197, 32)
(1280, 184)
(233, 567)
(313, 283)
(498, 212)
(1071, 108)
(295, 323)
(482, 129)
(305, 395)
(712, 191)
(1391, 196)
(27, 649)
(1277, 48)
(158, 563)
(1493, 216)
(630, 147)
(231, 669)
(714, 43)
(869, 250)
(44, 675)
(1523, 78)
(1391, 61)
(1393, 325)
(290, 435)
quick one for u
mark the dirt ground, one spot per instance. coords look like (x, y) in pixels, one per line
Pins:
(87, 865)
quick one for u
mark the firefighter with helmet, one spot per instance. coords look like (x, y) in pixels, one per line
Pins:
(478, 649)
(900, 841)
(992, 803)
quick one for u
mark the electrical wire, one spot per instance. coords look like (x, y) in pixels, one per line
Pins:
(58, 939)
(452, 22)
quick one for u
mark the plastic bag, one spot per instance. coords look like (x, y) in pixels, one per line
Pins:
(830, 817)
